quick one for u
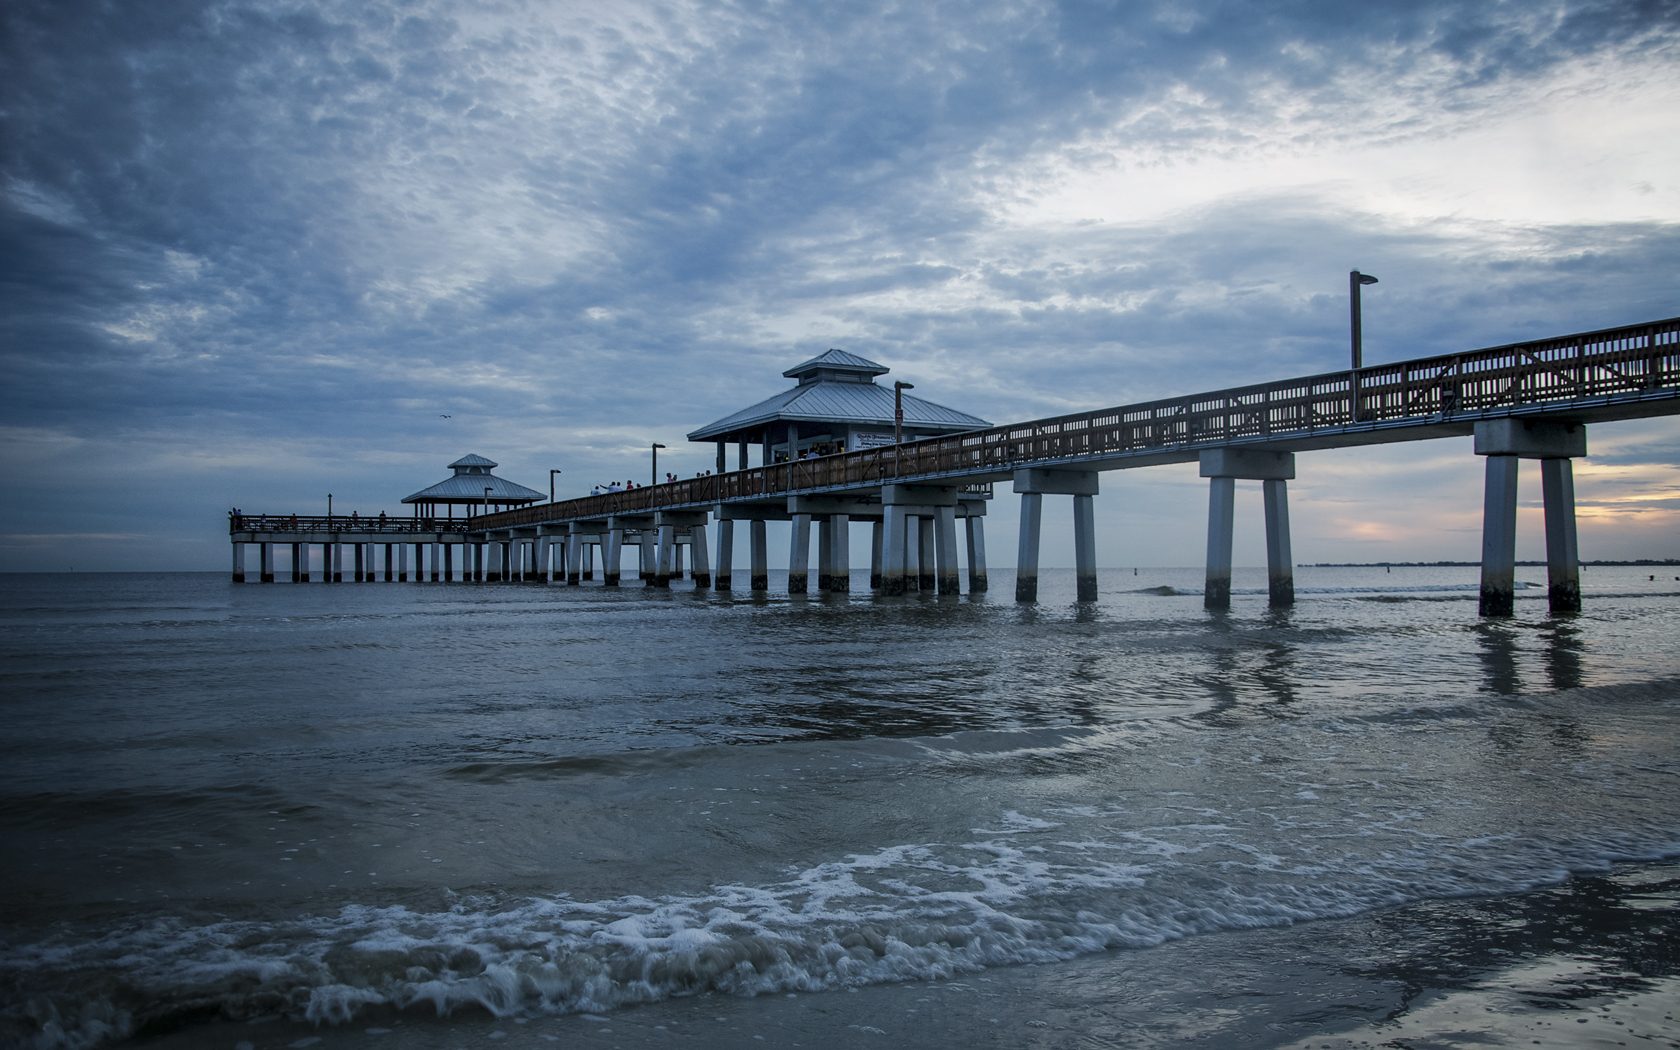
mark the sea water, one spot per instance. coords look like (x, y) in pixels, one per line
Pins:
(307, 812)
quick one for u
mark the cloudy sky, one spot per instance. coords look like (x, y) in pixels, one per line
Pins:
(256, 253)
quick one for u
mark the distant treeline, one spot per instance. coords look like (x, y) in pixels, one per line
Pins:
(1450, 564)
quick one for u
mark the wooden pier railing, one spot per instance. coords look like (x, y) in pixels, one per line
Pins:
(1628, 362)
(346, 523)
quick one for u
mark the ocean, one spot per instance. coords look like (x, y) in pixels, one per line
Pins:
(454, 815)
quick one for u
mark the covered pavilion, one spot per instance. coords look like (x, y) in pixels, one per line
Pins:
(472, 486)
(836, 407)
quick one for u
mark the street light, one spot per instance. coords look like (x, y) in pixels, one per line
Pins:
(898, 410)
(656, 447)
(1355, 279)
(551, 483)
(329, 508)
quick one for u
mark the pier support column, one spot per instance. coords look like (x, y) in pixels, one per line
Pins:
(1085, 548)
(238, 563)
(1504, 442)
(945, 550)
(927, 572)
(299, 552)
(1026, 558)
(1038, 482)
(875, 537)
(557, 559)
(1222, 501)
(1499, 537)
(402, 562)
(357, 568)
(894, 549)
(702, 570)
(612, 568)
(574, 559)
(758, 543)
(590, 542)
(449, 561)
(1224, 467)
(1563, 559)
(338, 563)
(265, 563)
(390, 563)
(799, 554)
(1280, 560)
(975, 527)
(840, 553)
(662, 568)
(433, 561)
(725, 554)
(825, 555)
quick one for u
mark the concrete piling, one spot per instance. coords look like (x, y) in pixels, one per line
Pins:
(1505, 442)
(1499, 537)
(825, 555)
(1026, 560)
(1280, 560)
(945, 549)
(799, 554)
(975, 527)
(697, 544)
(840, 556)
(759, 550)
(612, 559)
(663, 566)
(1222, 498)
(1563, 559)
(725, 554)
(893, 550)
(1085, 548)
(927, 572)
(875, 540)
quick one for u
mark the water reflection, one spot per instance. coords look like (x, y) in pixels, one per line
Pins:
(1562, 654)
(1498, 655)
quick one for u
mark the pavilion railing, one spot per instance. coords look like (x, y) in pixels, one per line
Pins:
(1614, 362)
(346, 523)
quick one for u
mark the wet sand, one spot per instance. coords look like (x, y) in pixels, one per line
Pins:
(1592, 962)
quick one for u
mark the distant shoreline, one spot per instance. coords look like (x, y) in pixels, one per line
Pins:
(1470, 564)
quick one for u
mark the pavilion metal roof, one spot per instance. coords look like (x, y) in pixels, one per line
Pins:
(469, 488)
(840, 402)
(839, 361)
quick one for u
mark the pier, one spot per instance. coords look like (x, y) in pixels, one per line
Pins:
(1531, 400)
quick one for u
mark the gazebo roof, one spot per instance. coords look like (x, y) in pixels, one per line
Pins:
(837, 361)
(837, 387)
(472, 477)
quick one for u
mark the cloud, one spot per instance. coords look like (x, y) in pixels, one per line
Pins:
(250, 248)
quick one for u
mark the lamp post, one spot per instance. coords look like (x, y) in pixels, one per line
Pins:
(551, 483)
(898, 410)
(329, 510)
(656, 447)
(1355, 279)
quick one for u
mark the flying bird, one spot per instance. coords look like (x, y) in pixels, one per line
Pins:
(446, 417)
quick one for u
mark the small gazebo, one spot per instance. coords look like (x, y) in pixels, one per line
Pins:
(837, 406)
(472, 486)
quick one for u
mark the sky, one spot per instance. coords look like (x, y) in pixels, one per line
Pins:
(257, 253)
